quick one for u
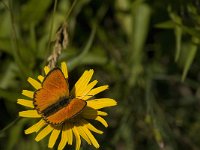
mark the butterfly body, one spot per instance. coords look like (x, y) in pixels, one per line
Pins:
(55, 107)
(53, 101)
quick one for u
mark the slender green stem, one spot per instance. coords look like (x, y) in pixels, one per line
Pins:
(9, 125)
(52, 22)
(69, 12)
(16, 48)
(87, 47)
(5, 5)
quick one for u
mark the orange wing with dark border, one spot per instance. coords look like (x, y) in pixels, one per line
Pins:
(71, 110)
(53, 101)
(53, 88)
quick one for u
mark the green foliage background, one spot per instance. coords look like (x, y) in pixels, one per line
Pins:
(147, 51)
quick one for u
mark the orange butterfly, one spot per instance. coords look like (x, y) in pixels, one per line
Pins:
(53, 101)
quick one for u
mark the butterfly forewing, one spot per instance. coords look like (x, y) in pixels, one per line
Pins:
(54, 87)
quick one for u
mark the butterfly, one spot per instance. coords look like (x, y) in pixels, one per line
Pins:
(53, 100)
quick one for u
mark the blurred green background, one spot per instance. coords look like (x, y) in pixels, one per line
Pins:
(147, 51)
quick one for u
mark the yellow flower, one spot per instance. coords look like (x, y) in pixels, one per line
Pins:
(79, 126)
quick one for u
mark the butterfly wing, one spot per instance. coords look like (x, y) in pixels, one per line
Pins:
(71, 110)
(54, 87)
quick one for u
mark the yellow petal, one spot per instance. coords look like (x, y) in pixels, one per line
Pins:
(64, 138)
(46, 70)
(36, 127)
(81, 78)
(34, 83)
(78, 139)
(101, 103)
(28, 93)
(102, 113)
(90, 126)
(82, 133)
(64, 69)
(41, 78)
(101, 120)
(90, 136)
(95, 91)
(88, 88)
(85, 82)
(29, 114)
(25, 102)
(82, 83)
(69, 133)
(54, 136)
(44, 132)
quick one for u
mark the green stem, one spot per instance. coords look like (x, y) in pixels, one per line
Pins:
(9, 125)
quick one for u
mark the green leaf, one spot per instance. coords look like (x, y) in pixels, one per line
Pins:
(124, 19)
(7, 78)
(74, 62)
(5, 45)
(141, 17)
(178, 34)
(9, 95)
(166, 25)
(15, 134)
(192, 31)
(94, 59)
(192, 49)
(173, 15)
(34, 11)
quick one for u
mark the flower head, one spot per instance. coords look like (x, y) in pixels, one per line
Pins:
(77, 126)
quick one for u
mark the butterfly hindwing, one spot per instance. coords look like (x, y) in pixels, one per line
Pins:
(71, 110)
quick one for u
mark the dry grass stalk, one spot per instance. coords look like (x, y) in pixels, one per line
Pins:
(61, 43)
